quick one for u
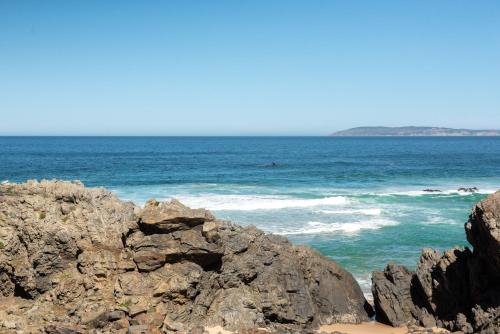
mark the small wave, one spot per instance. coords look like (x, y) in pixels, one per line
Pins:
(366, 212)
(365, 283)
(415, 193)
(251, 203)
(325, 228)
(440, 221)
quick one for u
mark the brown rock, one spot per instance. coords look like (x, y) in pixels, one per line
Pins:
(116, 315)
(139, 329)
(65, 328)
(121, 324)
(81, 256)
(171, 216)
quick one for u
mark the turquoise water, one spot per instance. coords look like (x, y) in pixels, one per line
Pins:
(357, 200)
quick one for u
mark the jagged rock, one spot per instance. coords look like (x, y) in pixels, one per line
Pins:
(116, 315)
(171, 216)
(458, 290)
(392, 295)
(139, 329)
(468, 190)
(483, 232)
(66, 329)
(80, 259)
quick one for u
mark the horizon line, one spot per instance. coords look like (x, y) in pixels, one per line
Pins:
(230, 136)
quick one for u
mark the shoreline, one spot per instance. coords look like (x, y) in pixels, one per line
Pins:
(368, 327)
(116, 266)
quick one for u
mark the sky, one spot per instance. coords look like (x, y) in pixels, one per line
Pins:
(246, 67)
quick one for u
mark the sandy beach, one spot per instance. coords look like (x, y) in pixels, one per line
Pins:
(371, 327)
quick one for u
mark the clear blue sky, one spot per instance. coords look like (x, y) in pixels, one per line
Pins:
(246, 67)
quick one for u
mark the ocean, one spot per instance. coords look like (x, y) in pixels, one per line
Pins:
(359, 200)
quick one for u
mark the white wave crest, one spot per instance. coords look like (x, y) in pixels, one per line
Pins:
(441, 221)
(252, 202)
(365, 283)
(366, 212)
(353, 227)
(415, 193)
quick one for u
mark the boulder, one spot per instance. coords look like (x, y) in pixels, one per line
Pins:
(157, 217)
(79, 259)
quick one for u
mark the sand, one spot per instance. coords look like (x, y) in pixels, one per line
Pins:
(364, 328)
(371, 327)
(216, 330)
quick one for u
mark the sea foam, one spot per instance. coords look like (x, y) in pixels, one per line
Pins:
(315, 227)
(447, 192)
(218, 202)
(366, 212)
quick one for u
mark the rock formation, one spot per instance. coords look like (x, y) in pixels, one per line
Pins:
(458, 290)
(79, 260)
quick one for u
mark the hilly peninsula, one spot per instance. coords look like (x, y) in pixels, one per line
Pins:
(413, 131)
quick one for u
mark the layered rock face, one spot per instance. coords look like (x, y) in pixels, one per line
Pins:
(78, 260)
(458, 290)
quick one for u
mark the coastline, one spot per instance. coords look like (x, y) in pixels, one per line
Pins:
(413, 131)
(103, 263)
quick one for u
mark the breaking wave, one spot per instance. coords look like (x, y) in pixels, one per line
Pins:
(250, 203)
(325, 228)
(414, 193)
(366, 212)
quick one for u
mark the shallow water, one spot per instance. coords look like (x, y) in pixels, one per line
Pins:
(357, 200)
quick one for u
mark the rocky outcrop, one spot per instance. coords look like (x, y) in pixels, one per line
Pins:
(483, 232)
(458, 290)
(79, 260)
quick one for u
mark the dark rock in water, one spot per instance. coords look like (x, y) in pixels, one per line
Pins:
(468, 190)
(79, 259)
(427, 190)
(458, 290)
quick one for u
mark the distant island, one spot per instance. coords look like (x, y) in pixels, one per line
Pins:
(413, 131)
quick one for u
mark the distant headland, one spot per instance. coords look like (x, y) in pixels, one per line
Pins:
(413, 131)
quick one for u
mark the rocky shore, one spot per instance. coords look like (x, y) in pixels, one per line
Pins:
(458, 290)
(79, 260)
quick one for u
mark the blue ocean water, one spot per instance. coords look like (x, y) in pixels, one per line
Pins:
(357, 200)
